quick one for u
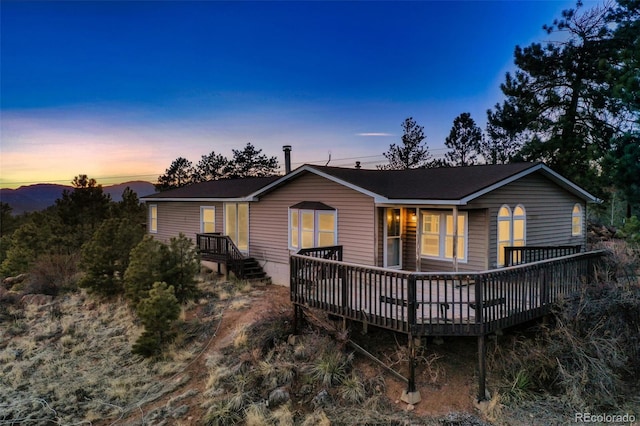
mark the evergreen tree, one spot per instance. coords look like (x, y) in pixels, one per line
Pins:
(211, 167)
(130, 207)
(178, 174)
(250, 162)
(503, 135)
(177, 264)
(34, 238)
(413, 153)
(560, 101)
(82, 210)
(182, 266)
(463, 141)
(105, 258)
(147, 265)
(157, 312)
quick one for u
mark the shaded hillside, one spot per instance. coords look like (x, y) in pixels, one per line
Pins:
(40, 196)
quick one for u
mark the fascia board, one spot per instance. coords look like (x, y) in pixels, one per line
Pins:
(310, 169)
(418, 203)
(570, 186)
(201, 200)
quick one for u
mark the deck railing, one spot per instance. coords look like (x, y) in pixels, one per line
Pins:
(221, 248)
(438, 303)
(329, 252)
(527, 254)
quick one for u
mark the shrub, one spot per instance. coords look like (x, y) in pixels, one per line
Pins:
(157, 312)
(105, 258)
(146, 267)
(176, 264)
(589, 355)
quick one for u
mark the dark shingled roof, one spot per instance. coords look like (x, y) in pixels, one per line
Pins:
(447, 183)
(223, 188)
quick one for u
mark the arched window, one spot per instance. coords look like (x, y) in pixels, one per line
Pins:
(504, 232)
(519, 226)
(512, 229)
(576, 220)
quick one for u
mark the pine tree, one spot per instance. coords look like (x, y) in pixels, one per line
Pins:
(179, 173)
(182, 266)
(250, 162)
(105, 258)
(413, 153)
(157, 312)
(146, 266)
(463, 141)
(560, 101)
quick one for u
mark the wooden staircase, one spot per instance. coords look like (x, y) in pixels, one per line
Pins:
(221, 249)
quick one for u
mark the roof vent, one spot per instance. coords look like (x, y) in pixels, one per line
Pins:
(358, 166)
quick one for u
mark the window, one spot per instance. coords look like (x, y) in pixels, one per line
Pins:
(236, 224)
(437, 241)
(512, 229)
(153, 218)
(314, 226)
(576, 221)
(207, 219)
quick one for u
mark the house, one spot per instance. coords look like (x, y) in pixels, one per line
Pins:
(446, 219)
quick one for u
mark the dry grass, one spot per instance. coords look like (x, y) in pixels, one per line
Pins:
(76, 365)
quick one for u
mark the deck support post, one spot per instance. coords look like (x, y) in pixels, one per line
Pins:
(411, 395)
(482, 368)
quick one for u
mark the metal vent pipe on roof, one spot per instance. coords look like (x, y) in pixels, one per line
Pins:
(358, 166)
(287, 158)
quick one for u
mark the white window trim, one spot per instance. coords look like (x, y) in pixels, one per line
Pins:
(153, 207)
(202, 209)
(386, 236)
(581, 216)
(442, 237)
(512, 217)
(522, 217)
(315, 227)
(224, 221)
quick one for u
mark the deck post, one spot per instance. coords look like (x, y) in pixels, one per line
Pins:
(482, 368)
(411, 395)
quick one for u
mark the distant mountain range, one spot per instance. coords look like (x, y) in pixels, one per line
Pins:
(37, 197)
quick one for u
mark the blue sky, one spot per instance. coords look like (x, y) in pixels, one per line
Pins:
(118, 90)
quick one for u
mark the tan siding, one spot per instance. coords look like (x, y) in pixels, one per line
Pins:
(548, 210)
(177, 217)
(409, 241)
(355, 214)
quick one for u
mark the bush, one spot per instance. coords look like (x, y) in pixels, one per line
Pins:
(157, 312)
(176, 264)
(590, 355)
(105, 258)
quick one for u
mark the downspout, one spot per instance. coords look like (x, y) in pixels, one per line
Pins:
(455, 238)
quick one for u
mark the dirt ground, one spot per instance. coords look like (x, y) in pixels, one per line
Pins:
(446, 385)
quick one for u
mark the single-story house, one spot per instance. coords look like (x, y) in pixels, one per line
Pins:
(444, 219)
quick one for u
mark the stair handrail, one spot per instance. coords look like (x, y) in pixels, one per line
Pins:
(233, 257)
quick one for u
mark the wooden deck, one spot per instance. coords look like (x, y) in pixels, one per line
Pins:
(438, 303)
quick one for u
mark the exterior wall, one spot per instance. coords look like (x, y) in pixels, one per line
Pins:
(177, 217)
(409, 239)
(548, 210)
(477, 247)
(269, 222)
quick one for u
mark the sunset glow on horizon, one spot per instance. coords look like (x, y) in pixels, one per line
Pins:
(118, 90)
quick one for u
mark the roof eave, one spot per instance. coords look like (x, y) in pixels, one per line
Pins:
(196, 199)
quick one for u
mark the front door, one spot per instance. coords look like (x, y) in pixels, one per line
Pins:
(393, 242)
